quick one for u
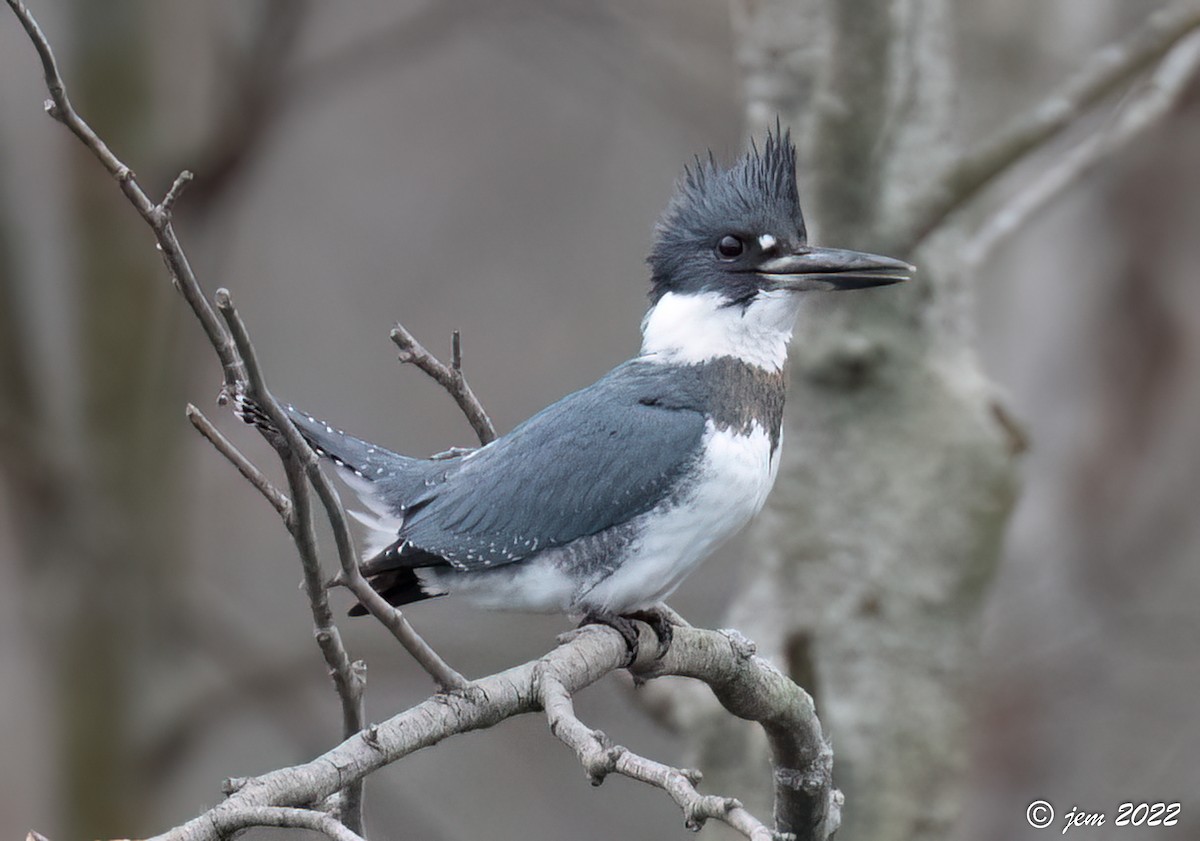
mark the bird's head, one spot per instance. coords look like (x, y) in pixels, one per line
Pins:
(731, 257)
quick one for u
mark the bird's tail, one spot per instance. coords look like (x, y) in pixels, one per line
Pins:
(384, 481)
(355, 456)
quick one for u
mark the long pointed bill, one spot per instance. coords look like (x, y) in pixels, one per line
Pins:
(834, 268)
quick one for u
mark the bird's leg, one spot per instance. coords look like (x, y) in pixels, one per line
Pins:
(662, 620)
(623, 625)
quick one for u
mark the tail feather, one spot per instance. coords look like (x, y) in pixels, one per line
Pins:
(361, 458)
(399, 587)
(385, 482)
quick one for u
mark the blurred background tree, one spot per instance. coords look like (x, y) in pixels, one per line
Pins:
(496, 168)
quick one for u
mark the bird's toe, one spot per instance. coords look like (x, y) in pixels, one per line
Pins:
(622, 625)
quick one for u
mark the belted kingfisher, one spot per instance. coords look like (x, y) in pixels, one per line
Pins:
(601, 504)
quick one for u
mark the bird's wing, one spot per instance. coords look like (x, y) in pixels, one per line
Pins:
(593, 460)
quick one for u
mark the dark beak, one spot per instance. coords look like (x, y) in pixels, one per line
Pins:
(833, 268)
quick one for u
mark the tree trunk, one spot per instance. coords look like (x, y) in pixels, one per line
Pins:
(865, 574)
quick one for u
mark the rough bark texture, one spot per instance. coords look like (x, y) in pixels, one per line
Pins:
(745, 685)
(866, 572)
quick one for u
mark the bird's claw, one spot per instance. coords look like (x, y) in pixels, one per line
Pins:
(622, 625)
(661, 622)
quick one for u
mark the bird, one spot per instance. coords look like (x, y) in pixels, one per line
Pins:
(599, 505)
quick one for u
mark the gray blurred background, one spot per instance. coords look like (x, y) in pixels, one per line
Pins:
(496, 168)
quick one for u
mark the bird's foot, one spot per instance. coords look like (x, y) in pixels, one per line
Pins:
(622, 625)
(662, 620)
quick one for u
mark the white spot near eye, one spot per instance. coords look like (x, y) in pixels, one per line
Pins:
(766, 242)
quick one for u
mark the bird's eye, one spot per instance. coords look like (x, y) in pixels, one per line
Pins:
(729, 247)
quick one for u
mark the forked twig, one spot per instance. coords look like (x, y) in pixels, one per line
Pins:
(157, 216)
(295, 450)
(746, 685)
(450, 377)
(278, 499)
(347, 676)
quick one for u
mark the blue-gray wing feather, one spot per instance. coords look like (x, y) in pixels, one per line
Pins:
(593, 460)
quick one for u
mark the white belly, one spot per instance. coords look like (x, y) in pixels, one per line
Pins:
(736, 475)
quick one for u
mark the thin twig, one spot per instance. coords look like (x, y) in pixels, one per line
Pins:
(348, 677)
(177, 187)
(1145, 110)
(235, 365)
(746, 685)
(394, 620)
(278, 499)
(1104, 72)
(157, 216)
(449, 377)
(600, 758)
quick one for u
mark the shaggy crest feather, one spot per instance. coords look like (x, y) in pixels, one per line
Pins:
(758, 191)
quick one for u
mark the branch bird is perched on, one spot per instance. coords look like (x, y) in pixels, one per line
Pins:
(602, 503)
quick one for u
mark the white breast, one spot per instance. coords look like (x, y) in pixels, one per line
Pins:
(736, 474)
(686, 329)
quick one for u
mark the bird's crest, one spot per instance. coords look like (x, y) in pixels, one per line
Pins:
(754, 195)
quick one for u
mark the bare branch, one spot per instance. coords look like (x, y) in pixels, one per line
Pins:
(288, 818)
(157, 216)
(1104, 72)
(237, 360)
(600, 758)
(278, 499)
(296, 453)
(449, 377)
(177, 187)
(748, 686)
(806, 803)
(745, 684)
(348, 677)
(1144, 111)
